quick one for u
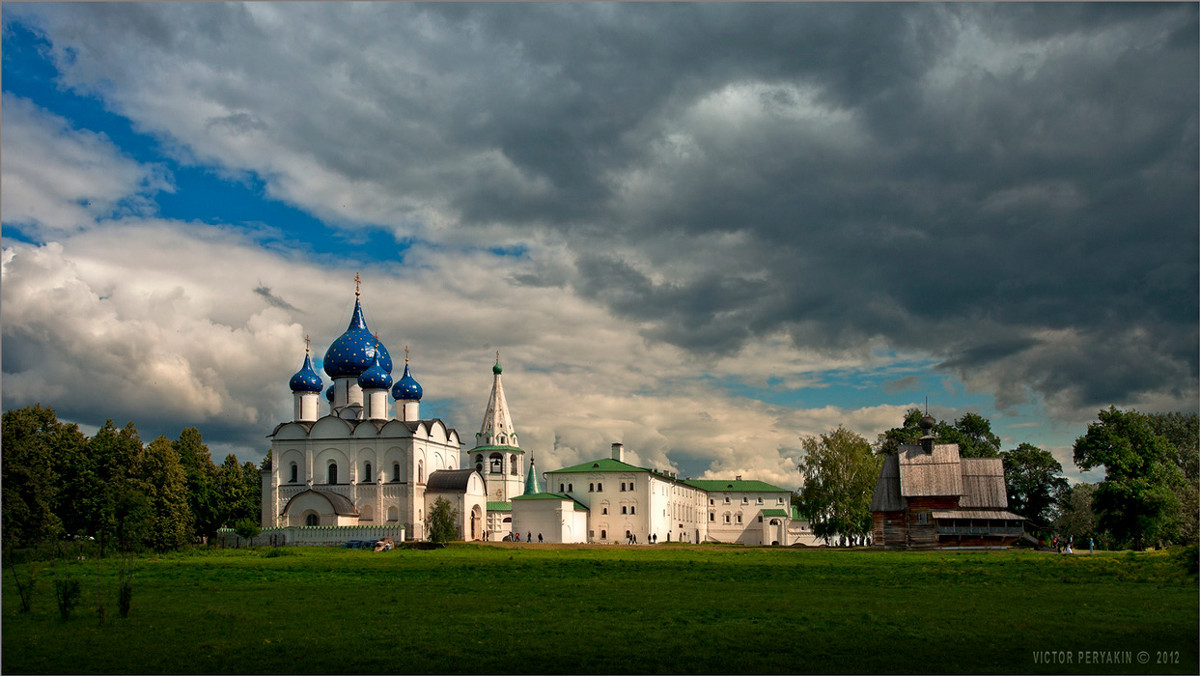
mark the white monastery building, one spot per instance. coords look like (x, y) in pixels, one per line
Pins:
(371, 460)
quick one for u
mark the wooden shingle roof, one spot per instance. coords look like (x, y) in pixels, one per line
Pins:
(983, 484)
(929, 474)
(887, 496)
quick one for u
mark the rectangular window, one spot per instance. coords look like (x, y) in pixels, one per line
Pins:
(712, 517)
(760, 518)
(745, 500)
(599, 488)
(591, 488)
(624, 509)
(632, 509)
(760, 499)
(726, 518)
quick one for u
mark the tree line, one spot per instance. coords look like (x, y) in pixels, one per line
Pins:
(111, 487)
(1150, 494)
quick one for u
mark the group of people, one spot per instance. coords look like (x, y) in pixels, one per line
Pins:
(1069, 544)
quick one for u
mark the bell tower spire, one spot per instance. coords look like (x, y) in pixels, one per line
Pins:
(497, 454)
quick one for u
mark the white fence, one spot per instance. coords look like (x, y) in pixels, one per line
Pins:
(318, 536)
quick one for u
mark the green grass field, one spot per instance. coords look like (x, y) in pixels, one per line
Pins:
(666, 609)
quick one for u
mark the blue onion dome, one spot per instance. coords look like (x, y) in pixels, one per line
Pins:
(407, 388)
(329, 394)
(375, 378)
(306, 379)
(354, 351)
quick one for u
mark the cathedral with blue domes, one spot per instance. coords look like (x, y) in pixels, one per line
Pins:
(370, 459)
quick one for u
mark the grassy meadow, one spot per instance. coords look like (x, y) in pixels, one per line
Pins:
(665, 609)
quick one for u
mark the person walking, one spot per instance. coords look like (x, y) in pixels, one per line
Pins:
(539, 538)
(1091, 546)
(529, 536)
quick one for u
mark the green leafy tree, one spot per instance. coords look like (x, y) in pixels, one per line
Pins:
(170, 525)
(30, 483)
(974, 436)
(972, 432)
(229, 488)
(1138, 501)
(201, 476)
(1077, 518)
(1182, 430)
(1034, 482)
(251, 506)
(441, 522)
(839, 473)
(909, 432)
(121, 510)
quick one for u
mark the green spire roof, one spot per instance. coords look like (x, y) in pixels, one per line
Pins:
(531, 482)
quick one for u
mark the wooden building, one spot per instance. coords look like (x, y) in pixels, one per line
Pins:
(928, 496)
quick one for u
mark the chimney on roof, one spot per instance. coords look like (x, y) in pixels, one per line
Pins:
(618, 452)
(737, 478)
(927, 424)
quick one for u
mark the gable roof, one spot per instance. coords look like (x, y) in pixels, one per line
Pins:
(887, 496)
(719, 485)
(929, 474)
(983, 484)
(603, 465)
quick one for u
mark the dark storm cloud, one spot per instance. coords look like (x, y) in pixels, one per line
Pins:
(1011, 188)
(271, 298)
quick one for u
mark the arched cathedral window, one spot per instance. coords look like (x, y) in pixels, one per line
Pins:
(295, 470)
(333, 477)
(367, 473)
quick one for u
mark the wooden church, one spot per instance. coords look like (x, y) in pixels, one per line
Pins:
(928, 496)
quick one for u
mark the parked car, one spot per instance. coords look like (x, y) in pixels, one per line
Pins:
(384, 544)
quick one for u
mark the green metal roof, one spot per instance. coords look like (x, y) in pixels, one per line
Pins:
(605, 465)
(508, 449)
(499, 506)
(718, 485)
(531, 481)
(579, 507)
(775, 512)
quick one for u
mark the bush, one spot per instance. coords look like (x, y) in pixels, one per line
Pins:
(1189, 558)
(278, 551)
(67, 593)
(247, 528)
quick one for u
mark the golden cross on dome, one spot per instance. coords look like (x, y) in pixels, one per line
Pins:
(497, 356)
(306, 344)
(357, 284)
(405, 354)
